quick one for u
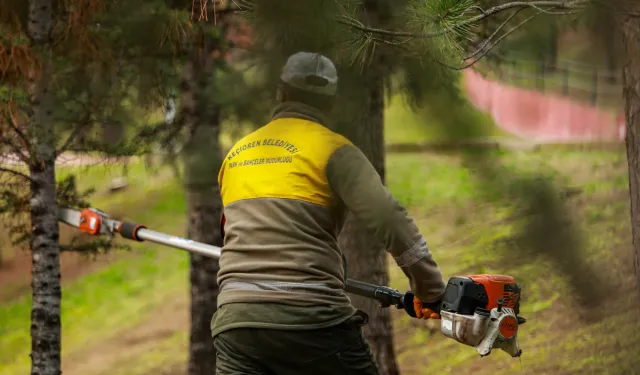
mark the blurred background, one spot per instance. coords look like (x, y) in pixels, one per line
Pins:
(502, 132)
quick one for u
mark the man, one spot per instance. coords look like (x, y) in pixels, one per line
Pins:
(286, 189)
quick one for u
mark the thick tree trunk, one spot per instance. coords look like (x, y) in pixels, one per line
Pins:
(631, 35)
(45, 311)
(203, 209)
(366, 259)
(202, 162)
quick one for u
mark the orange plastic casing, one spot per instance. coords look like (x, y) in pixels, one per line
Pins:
(90, 221)
(494, 286)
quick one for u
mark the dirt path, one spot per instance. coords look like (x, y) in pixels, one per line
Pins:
(15, 268)
(15, 273)
(100, 357)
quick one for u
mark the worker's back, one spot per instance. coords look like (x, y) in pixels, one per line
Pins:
(281, 217)
(285, 189)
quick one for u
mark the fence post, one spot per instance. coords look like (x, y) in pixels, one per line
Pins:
(594, 87)
(565, 79)
(540, 76)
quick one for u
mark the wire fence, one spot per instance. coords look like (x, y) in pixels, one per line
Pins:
(596, 85)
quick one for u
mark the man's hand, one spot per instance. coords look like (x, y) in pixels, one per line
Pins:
(425, 310)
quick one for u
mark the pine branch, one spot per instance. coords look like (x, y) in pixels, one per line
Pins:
(72, 137)
(15, 149)
(16, 173)
(13, 123)
(483, 54)
(494, 34)
(572, 6)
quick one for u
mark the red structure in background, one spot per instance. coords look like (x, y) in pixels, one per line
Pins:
(524, 113)
(541, 117)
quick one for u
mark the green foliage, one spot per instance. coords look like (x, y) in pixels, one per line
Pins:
(443, 16)
(15, 207)
(12, 210)
(462, 228)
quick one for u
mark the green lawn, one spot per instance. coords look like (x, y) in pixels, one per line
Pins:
(129, 317)
(121, 295)
(435, 122)
(470, 235)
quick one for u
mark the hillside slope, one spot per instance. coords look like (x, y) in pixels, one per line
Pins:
(471, 232)
(128, 314)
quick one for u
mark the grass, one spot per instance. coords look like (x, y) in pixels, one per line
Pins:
(465, 232)
(118, 296)
(449, 207)
(463, 212)
(435, 122)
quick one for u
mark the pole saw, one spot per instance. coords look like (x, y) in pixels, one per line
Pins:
(481, 311)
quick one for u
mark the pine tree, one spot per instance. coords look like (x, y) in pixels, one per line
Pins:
(45, 313)
(212, 90)
(201, 120)
(631, 35)
(207, 101)
(65, 71)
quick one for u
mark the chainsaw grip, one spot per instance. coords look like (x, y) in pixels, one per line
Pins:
(129, 230)
(408, 305)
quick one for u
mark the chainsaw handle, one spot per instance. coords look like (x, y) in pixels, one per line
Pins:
(409, 309)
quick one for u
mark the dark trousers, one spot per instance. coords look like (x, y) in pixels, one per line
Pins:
(338, 350)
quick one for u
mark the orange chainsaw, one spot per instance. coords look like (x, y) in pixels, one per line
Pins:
(480, 310)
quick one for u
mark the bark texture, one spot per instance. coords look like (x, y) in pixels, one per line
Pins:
(631, 35)
(46, 291)
(202, 160)
(361, 119)
(366, 259)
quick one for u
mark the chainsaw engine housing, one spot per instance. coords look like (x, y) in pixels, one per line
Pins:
(482, 311)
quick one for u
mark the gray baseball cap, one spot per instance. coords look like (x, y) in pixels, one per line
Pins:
(311, 72)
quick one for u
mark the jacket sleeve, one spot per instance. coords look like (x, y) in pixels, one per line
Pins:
(356, 182)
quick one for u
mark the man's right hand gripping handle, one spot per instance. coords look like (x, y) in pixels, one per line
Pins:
(421, 310)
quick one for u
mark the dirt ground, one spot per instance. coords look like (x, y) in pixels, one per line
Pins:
(15, 266)
(100, 358)
(15, 269)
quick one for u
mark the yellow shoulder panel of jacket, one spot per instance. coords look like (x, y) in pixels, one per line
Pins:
(284, 159)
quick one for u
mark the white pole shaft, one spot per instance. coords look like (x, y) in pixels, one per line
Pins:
(179, 243)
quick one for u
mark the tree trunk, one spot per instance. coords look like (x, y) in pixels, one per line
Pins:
(631, 35)
(202, 162)
(46, 291)
(366, 258)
